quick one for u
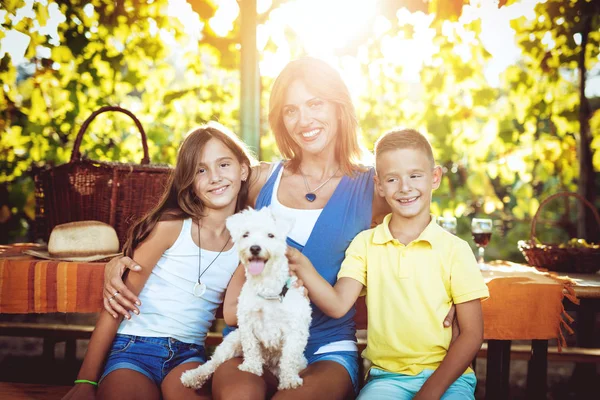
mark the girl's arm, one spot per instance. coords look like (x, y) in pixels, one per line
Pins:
(460, 354)
(146, 255)
(231, 296)
(333, 301)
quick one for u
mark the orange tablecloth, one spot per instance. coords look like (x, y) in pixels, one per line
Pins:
(30, 285)
(524, 303)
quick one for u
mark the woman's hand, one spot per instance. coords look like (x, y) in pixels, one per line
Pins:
(81, 391)
(451, 321)
(118, 299)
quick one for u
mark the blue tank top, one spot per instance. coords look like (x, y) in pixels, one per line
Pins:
(347, 213)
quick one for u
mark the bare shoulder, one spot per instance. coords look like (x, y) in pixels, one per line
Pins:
(258, 178)
(165, 233)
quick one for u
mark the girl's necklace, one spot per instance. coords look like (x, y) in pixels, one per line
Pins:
(199, 287)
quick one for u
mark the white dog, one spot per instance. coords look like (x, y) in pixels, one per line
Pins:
(273, 315)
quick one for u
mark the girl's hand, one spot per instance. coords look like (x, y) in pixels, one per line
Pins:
(81, 391)
(117, 297)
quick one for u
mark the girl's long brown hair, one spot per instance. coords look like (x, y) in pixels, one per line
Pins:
(179, 201)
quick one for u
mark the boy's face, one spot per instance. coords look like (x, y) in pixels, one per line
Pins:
(406, 178)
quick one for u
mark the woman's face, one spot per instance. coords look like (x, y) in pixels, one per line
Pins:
(310, 120)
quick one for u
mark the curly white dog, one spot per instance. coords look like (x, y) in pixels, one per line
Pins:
(273, 315)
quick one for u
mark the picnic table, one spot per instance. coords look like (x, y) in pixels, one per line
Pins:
(524, 304)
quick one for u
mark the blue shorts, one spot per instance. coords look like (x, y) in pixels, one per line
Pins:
(347, 359)
(388, 385)
(154, 357)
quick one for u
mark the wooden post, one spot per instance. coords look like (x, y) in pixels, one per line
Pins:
(250, 77)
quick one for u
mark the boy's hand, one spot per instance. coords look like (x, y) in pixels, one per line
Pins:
(81, 391)
(297, 261)
(298, 283)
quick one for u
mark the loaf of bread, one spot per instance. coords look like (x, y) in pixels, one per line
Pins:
(82, 239)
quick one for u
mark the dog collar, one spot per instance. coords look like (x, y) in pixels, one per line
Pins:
(284, 290)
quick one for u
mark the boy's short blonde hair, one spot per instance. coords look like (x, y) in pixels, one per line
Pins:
(397, 139)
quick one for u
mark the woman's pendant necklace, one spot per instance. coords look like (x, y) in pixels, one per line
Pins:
(200, 287)
(311, 196)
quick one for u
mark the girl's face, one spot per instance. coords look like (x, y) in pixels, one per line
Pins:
(310, 120)
(219, 176)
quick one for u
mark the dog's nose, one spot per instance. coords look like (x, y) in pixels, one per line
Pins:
(255, 250)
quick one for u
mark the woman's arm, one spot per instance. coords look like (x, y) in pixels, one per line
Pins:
(231, 296)
(125, 299)
(460, 354)
(147, 255)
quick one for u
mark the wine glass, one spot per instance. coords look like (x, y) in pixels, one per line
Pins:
(448, 223)
(481, 228)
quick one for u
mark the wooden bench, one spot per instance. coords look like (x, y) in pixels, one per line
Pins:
(31, 391)
(70, 333)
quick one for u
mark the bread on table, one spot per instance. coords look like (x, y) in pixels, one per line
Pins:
(82, 239)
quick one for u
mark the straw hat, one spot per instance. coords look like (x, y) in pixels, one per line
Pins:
(80, 241)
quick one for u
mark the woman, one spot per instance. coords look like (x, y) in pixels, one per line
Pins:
(331, 196)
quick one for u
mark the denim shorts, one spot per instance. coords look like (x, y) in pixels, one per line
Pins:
(154, 357)
(383, 385)
(347, 359)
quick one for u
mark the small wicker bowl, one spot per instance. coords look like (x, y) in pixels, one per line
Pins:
(560, 258)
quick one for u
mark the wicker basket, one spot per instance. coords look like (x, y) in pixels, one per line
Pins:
(555, 257)
(111, 192)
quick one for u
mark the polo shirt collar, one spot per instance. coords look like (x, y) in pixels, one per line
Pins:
(432, 234)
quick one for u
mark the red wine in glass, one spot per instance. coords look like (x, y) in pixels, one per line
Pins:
(482, 239)
(481, 228)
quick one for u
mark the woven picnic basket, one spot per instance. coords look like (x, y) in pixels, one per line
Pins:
(111, 192)
(557, 257)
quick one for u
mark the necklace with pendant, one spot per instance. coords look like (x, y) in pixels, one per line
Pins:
(199, 287)
(310, 195)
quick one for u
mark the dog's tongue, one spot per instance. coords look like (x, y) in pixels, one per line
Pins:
(256, 267)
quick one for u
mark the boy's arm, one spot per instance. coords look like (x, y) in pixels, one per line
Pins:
(460, 354)
(333, 301)
(146, 255)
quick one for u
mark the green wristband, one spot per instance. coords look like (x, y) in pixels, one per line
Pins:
(86, 381)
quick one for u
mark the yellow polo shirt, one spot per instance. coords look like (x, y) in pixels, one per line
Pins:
(409, 290)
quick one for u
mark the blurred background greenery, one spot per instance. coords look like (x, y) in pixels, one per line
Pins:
(508, 129)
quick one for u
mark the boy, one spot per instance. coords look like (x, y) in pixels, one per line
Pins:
(412, 271)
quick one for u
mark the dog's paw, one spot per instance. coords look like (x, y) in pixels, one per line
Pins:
(289, 383)
(253, 368)
(193, 379)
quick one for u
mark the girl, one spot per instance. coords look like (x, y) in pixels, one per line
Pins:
(186, 258)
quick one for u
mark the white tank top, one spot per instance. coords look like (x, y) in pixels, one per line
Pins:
(169, 307)
(304, 220)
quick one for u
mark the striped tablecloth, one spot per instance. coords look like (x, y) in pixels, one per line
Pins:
(524, 303)
(30, 285)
